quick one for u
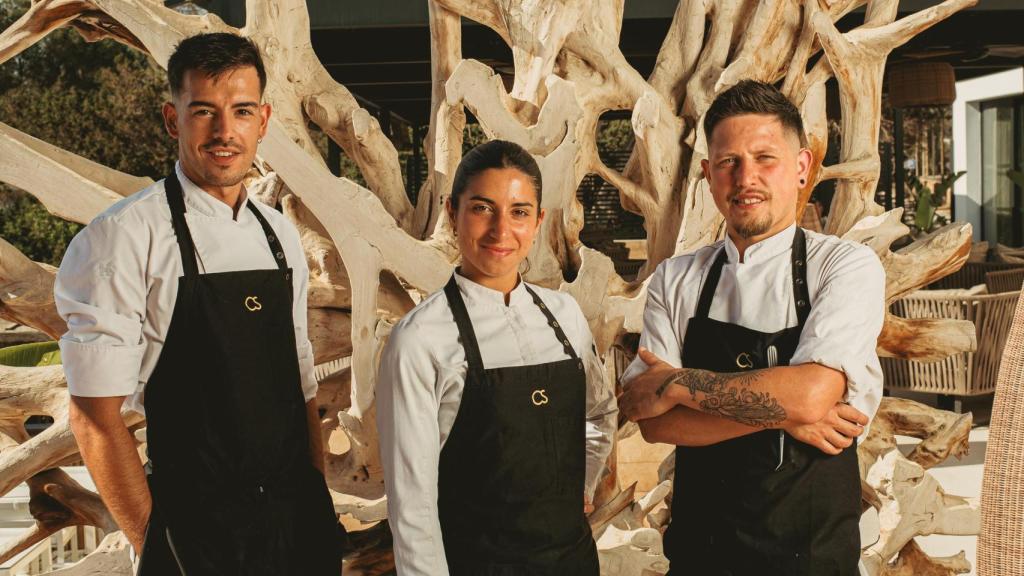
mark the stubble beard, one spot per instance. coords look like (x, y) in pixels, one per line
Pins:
(753, 227)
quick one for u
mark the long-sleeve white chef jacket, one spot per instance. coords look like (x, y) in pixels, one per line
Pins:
(420, 384)
(846, 284)
(118, 281)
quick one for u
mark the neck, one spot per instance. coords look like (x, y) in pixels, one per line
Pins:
(504, 284)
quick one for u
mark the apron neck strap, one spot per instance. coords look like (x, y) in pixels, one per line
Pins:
(176, 200)
(553, 323)
(275, 244)
(801, 298)
(798, 261)
(469, 343)
(707, 294)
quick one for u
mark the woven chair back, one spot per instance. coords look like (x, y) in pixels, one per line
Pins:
(1004, 280)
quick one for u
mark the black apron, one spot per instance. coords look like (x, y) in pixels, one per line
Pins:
(234, 489)
(512, 471)
(763, 504)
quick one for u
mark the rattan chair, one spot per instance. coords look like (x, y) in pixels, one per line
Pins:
(971, 274)
(1004, 280)
(965, 373)
(1001, 543)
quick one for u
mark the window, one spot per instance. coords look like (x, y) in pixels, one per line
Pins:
(1002, 149)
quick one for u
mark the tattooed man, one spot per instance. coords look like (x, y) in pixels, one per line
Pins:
(758, 362)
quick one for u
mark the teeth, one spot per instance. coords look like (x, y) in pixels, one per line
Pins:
(222, 154)
(748, 201)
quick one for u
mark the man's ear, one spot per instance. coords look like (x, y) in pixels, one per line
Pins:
(264, 119)
(804, 159)
(170, 114)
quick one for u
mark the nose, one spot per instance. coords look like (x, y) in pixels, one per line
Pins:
(745, 174)
(224, 126)
(500, 225)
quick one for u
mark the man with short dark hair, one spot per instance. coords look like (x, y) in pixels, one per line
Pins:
(758, 362)
(188, 299)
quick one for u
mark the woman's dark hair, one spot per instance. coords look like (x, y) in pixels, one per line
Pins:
(213, 54)
(494, 154)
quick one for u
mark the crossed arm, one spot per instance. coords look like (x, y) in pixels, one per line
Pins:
(691, 407)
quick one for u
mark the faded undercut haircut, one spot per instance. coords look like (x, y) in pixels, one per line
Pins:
(213, 54)
(753, 97)
(494, 154)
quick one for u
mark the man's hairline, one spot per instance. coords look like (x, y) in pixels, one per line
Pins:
(800, 145)
(185, 72)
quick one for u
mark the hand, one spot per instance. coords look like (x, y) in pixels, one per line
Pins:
(834, 432)
(646, 396)
(588, 508)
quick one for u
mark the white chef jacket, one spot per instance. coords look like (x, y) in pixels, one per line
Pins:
(845, 282)
(420, 384)
(118, 281)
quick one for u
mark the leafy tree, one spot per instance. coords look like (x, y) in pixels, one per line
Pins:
(99, 100)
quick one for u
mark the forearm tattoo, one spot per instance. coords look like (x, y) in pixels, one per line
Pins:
(729, 396)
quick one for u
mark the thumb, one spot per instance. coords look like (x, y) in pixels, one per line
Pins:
(650, 358)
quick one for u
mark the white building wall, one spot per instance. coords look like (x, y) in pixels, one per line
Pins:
(967, 138)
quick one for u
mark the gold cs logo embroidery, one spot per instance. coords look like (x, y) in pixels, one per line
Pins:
(539, 398)
(744, 360)
(252, 304)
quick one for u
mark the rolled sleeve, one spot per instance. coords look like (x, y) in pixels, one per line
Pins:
(602, 408)
(410, 446)
(100, 291)
(842, 328)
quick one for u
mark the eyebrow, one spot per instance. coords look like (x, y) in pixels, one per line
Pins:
(204, 104)
(493, 203)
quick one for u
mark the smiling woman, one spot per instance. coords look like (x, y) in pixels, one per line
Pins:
(494, 420)
(495, 212)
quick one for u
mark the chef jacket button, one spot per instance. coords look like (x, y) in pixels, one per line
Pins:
(542, 306)
(799, 281)
(800, 303)
(566, 342)
(798, 262)
(271, 238)
(280, 255)
(554, 323)
(580, 364)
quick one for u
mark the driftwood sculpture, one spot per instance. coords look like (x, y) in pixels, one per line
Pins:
(369, 248)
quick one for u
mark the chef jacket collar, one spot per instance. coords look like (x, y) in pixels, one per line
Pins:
(479, 295)
(199, 201)
(763, 250)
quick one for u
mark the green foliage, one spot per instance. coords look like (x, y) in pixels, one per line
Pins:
(99, 100)
(924, 212)
(30, 228)
(30, 355)
(1017, 176)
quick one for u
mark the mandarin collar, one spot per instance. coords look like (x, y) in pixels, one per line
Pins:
(763, 250)
(201, 202)
(482, 295)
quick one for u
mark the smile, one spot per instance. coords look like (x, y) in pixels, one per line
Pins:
(744, 200)
(500, 252)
